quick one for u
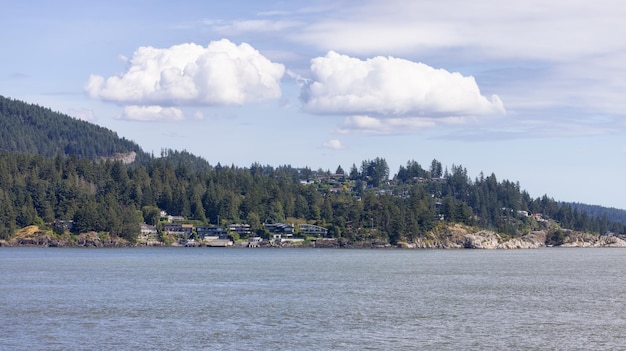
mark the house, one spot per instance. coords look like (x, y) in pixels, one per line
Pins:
(206, 232)
(283, 229)
(178, 229)
(172, 219)
(243, 230)
(147, 229)
(310, 229)
(149, 235)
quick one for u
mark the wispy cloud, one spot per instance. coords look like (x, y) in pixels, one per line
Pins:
(82, 114)
(18, 75)
(384, 126)
(570, 47)
(151, 113)
(334, 144)
(255, 26)
(530, 29)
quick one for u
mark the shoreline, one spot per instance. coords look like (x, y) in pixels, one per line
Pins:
(453, 237)
(347, 246)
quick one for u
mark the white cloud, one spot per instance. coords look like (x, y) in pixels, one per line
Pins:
(572, 44)
(392, 87)
(334, 144)
(151, 113)
(188, 74)
(379, 126)
(531, 29)
(82, 114)
(198, 115)
(255, 26)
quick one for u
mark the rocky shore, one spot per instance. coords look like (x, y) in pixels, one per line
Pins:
(450, 237)
(32, 236)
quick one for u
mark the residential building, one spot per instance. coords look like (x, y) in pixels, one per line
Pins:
(214, 231)
(243, 230)
(310, 229)
(178, 229)
(286, 230)
(147, 229)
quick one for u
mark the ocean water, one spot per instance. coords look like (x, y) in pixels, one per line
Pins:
(311, 299)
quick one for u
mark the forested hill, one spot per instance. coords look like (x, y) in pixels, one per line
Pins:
(51, 171)
(612, 214)
(364, 205)
(32, 129)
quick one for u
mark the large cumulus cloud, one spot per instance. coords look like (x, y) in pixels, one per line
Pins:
(392, 87)
(221, 73)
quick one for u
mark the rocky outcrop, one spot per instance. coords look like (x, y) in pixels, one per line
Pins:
(93, 239)
(482, 240)
(33, 236)
(457, 237)
(444, 237)
(576, 239)
(532, 240)
(124, 157)
(491, 240)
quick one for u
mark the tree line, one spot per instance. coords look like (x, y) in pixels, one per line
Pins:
(363, 204)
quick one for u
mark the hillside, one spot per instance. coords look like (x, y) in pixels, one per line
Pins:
(52, 171)
(32, 129)
(612, 214)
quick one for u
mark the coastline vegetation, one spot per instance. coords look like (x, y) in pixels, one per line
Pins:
(67, 178)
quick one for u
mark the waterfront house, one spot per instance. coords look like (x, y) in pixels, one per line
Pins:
(286, 230)
(147, 229)
(310, 229)
(178, 229)
(211, 232)
(243, 230)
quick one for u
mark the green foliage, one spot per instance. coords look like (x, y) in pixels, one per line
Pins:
(33, 129)
(556, 238)
(114, 198)
(234, 236)
(151, 214)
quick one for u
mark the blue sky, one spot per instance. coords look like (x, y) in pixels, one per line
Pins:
(534, 92)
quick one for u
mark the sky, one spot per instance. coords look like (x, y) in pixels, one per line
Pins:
(532, 91)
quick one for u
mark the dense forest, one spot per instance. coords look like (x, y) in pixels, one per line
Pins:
(58, 176)
(612, 214)
(112, 197)
(33, 129)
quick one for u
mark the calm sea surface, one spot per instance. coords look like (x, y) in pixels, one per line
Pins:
(311, 299)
